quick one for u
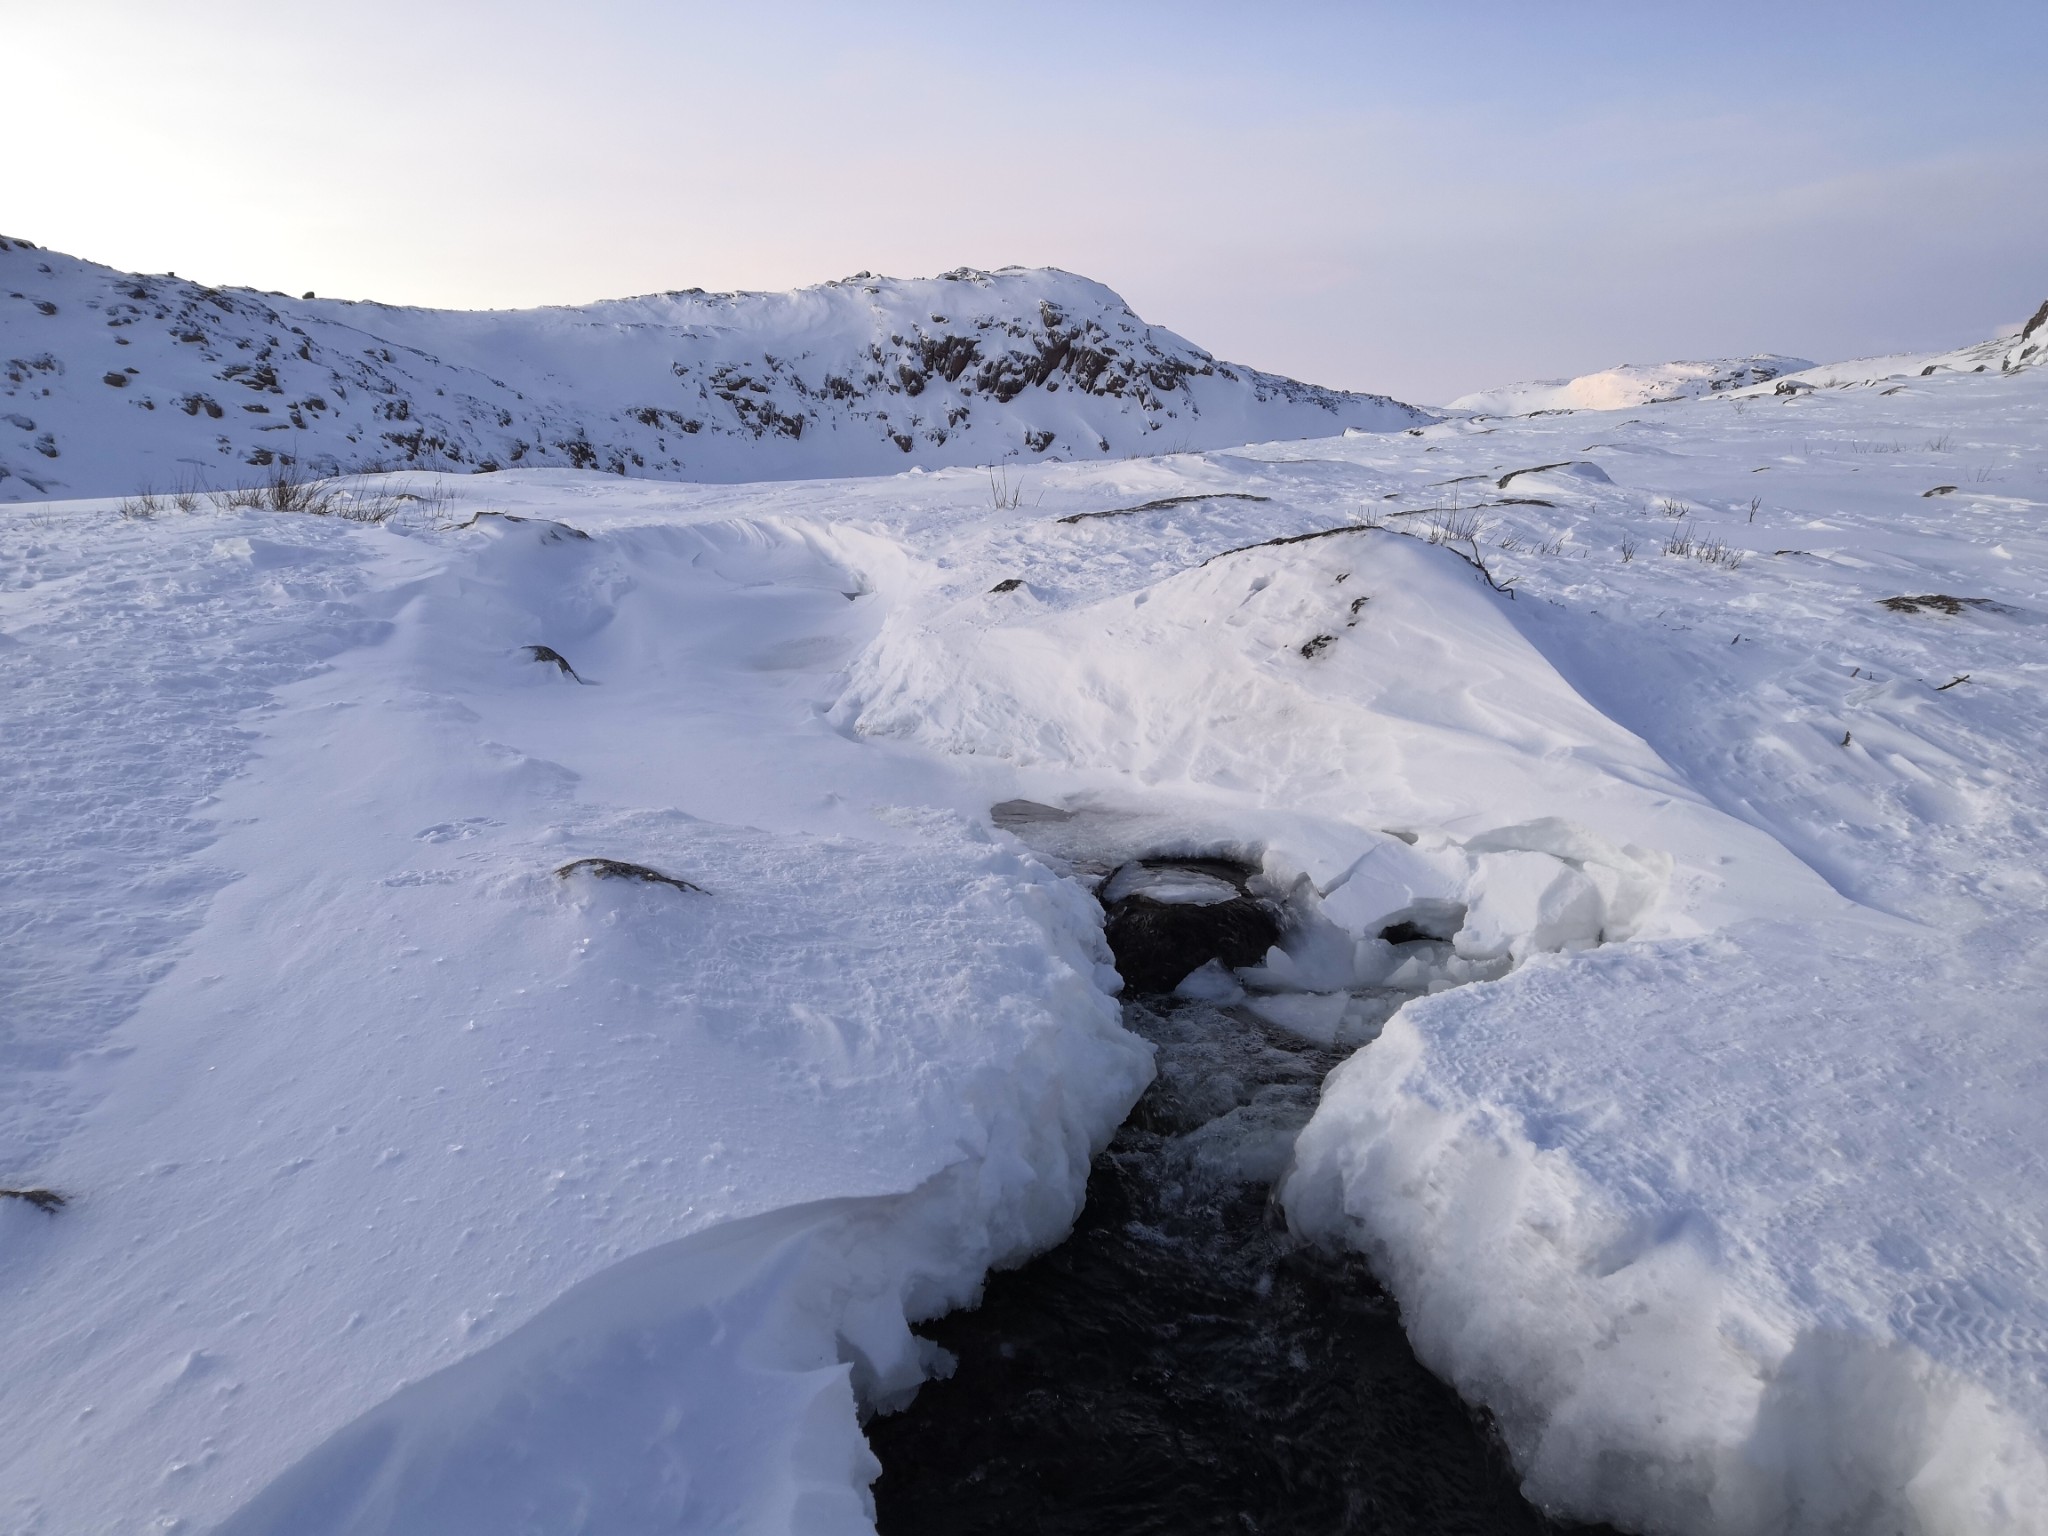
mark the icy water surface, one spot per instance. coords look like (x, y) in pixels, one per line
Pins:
(1180, 1366)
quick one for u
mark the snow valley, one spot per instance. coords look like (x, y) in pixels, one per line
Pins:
(528, 1002)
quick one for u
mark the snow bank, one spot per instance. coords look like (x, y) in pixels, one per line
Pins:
(1762, 1309)
(714, 1384)
(1423, 709)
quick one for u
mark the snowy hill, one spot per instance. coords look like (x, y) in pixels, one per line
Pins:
(1629, 385)
(115, 382)
(2024, 349)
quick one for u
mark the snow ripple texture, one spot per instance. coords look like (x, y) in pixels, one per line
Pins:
(125, 683)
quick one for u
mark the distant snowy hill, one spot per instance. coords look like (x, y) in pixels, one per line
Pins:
(1633, 384)
(114, 381)
(2008, 353)
(1630, 384)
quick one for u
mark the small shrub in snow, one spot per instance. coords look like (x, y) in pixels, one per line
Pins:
(1448, 525)
(1708, 551)
(1002, 493)
(288, 488)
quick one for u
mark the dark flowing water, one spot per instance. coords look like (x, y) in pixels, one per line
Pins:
(1179, 1365)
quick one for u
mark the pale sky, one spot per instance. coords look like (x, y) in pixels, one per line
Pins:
(1420, 199)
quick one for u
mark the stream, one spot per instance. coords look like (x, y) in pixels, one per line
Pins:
(1179, 1364)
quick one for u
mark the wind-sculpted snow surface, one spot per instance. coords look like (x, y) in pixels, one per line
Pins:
(113, 383)
(1707, 1322)
(405, 1086)
(1689, 783)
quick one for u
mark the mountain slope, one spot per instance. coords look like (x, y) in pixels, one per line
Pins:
(113, 382)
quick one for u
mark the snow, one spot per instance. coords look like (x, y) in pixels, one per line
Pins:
(1172, 886)
(403, 1090)
(416, 1187)
(1630, 384)
(116, 383)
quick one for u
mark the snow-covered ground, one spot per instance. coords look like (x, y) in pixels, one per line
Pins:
(417, 1188)
(118, 382)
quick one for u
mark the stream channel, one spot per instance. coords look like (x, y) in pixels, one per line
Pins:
(1180, 1364)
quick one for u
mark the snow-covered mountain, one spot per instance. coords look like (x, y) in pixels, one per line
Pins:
(114, 382)
(1630, 384)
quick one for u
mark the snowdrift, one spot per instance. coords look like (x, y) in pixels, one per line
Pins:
(115, 383)
(1764, 1308)
(391, 1095)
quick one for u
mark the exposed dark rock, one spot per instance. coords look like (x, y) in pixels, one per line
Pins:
(1535, 469)
(1294, 538)
(547, 653)
(1024, 813)
(1158, 943)
(550, 531)
(47, 1201)
(1007, 584)
(1314, 647)
(1429, 921)
(1935, 602)
(1404, 933)
(1162, 504)
(618, 869)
